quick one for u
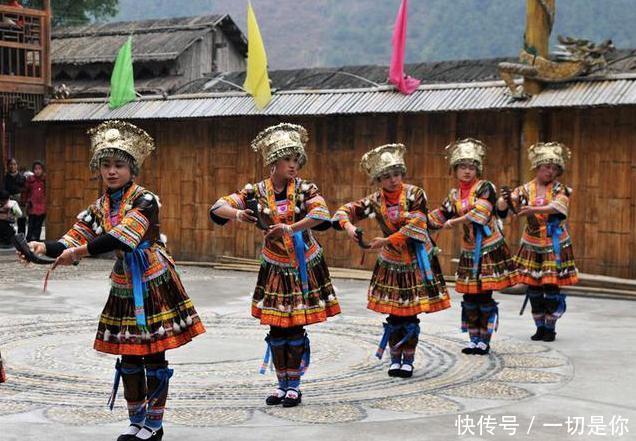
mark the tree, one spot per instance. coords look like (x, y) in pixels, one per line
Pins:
(77, 12)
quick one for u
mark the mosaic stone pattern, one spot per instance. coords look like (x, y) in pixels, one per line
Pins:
(216, 381)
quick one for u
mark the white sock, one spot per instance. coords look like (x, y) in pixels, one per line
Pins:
(144, 433)
(292, 393)
(133, 429)
(471, 345)
(482, 345)
(279, 393)
(394, 366)
(407, 367)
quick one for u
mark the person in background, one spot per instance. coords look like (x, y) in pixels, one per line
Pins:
(15, 184)
(35, 196)
(9, 211)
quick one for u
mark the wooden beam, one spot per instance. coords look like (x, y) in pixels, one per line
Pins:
(46, 44)
(537, 37)
(531, 133)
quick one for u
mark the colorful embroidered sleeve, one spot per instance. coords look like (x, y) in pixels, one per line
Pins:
(484, 203)
(561, 200)
(133, 226)
(315, 204)
(416, 228)
(397, 239)
(236, 200)
(438, 217)
(353, 212)
(83, 231)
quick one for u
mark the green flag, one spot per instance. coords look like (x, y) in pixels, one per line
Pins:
(122, 82)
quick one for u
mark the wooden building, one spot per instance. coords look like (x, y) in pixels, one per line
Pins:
(203, 152)
(168, 53)
(25, 78)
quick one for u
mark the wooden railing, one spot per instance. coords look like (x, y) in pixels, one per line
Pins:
(25, 41)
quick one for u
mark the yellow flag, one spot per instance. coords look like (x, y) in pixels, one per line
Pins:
(257, 79)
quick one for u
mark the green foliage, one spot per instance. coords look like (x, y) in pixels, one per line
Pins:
(78, 12)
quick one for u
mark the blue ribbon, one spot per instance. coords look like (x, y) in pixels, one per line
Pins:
(113, 394)
(466, 306)
(138, 263)
(493, 317)
(388, 329)
(306, 358)
(412, 330)
(266, 359)
(163, 375)
(299, 248)
(561, 304)
(554, 230)
(119, 370)
(423, 260)
(480, 231)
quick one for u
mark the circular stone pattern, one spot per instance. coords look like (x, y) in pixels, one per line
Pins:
(51, 366)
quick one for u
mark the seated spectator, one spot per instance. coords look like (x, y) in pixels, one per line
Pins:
(9, 211)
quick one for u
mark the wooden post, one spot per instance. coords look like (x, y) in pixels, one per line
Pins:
(46, 44)
(531, 133)
(537, 37)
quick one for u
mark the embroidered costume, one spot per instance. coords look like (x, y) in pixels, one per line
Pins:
(407, 279)
(294, 287)
(148, 310)
(485, 262)
(545, 259)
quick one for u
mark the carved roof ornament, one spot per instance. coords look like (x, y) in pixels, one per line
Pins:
(574, 58)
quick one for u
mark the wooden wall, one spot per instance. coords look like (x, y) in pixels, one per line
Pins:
(197, 161)
(603, 174)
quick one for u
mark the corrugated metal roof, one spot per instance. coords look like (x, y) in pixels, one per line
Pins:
(615, 91)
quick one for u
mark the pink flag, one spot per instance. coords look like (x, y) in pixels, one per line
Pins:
(405, 84)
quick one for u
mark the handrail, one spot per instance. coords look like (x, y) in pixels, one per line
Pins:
(24, 11)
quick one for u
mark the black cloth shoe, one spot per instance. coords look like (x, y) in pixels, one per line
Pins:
(156, 435)
(539, 334)
(275, 398)
(126, 437)
(549, 335)
(470, 349)
(292, 402)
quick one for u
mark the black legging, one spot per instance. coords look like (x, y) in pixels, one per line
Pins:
(35, 226)
(156, 358)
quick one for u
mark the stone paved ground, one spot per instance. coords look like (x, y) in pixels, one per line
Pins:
(58, 385)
